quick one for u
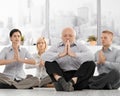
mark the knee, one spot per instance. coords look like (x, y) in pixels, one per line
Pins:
(48, 64)
(115, 73)
(91, 63)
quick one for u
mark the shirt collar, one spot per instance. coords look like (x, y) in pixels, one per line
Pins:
(11, 48)
(62, 44)
(109, 48)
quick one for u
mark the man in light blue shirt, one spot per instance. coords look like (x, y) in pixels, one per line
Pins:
(69, 64)
(13, 57)
(108, 64)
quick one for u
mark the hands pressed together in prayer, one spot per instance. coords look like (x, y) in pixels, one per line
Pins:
(67, 51)
(41, 63)
(101, 57)
(16, 57)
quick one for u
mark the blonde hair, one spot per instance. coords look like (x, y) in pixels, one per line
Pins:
(41, 39)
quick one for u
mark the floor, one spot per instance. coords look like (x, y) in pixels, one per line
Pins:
(52, 92)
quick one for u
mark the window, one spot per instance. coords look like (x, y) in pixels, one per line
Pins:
(81, 15)
(110, 18)
(47, 18)
(26, 15)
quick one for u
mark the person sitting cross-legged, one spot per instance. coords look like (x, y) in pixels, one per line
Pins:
(108, 64)
(69, 64)
(41, 46)
(14, 57)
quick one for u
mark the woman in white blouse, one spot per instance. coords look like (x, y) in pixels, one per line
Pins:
(40, 69)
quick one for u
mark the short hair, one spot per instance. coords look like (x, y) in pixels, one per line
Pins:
(108, 32)
(69, 28)
(13, 31)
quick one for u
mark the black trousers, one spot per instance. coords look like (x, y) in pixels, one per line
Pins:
(6, 86)
(85, 72)
(109, 80)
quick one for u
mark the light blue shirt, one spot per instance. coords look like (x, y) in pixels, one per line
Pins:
(14, 70)
(68, 63)
(112, 56)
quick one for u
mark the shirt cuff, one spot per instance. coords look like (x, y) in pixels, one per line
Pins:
(77, 55)
(56, 56)
(107, 62)
(96, 62)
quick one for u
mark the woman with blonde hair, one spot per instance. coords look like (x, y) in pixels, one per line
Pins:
(41, 46)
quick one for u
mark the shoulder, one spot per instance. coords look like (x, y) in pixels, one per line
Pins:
(35, 55)
(56, 45)
(97, 52)
(81, 46)
(116, 50)
(6, 48)
(23, 49)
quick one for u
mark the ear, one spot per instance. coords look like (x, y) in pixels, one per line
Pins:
(111, 38)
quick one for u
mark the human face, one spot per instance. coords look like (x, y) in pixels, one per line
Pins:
(106, 39)
(41, 45)
(16, 38)
(68, 34)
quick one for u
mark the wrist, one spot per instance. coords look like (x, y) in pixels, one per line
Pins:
(61, 55)
(13, 60)
(21, 60)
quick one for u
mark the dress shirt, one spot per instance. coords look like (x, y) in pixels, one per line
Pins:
(14, 70)
(112, 56)
(68, 63)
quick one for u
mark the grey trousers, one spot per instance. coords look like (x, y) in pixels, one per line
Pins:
(27, 83)
(45, 81)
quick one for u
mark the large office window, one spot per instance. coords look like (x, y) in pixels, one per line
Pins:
(27, 15)
(8, 18)
(81, 15)
(110, 18)
(47, 18)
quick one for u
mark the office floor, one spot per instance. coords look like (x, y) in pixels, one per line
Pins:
(52, 92)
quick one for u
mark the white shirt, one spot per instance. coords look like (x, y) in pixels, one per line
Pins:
(40, 70)
(14, 70)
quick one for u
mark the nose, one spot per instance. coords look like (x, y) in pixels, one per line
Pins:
(67, 37)
(41, 44)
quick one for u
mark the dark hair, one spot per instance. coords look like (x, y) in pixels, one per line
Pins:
(92, 38)
(13, 31)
